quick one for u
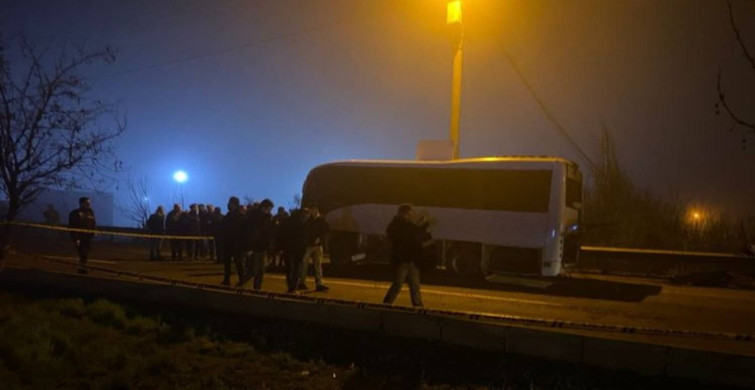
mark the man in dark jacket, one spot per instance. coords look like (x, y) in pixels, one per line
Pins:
(192, 226)
(216, 232)
(260, 241)
(293, 240)
(233, 230)
(278, 219)
(406, 246)
(317, 229)
(156, 225)
(204, 229)
(82, 218)
(173, 228)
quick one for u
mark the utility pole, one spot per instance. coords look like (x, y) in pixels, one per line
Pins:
(453, 19)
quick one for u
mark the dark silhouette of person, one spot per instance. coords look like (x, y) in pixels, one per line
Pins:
(156, 225)
(82, 218)
(233, 230)
(208, 230)
(293, 237)
(51, 218)
(278, 219)
(192, 226)
(317, 230)
(216, 231)
(260, 227)
(51, 215)
(204, 228)
(173, 228)
(406, 250)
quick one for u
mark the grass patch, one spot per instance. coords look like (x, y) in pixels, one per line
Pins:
(71, 344)
(98, 344)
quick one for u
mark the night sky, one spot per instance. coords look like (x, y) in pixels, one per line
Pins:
(247, 96)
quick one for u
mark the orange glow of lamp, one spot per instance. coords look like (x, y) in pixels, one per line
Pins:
(453, 14)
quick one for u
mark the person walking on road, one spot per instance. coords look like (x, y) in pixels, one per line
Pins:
(317, 228)
(406, 245)
(82, 218)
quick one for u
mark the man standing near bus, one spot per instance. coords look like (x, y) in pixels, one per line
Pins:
(316, 229)
(406, 250)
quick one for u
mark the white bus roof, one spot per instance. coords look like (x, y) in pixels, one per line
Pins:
(464, 162)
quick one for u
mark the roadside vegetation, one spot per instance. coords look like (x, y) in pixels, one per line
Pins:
(75, 343)
(620, 213)
(70, 344)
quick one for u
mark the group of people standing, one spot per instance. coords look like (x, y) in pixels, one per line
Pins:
(245, 238)
(250, 235)
(200, 220)
(247, 235)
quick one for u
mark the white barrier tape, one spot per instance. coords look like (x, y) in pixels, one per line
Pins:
(107, 232)
(494, 317)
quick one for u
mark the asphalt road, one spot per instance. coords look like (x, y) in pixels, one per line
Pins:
(605, 300)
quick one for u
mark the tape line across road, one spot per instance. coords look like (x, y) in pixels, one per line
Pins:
(472, 316)
(107, 232)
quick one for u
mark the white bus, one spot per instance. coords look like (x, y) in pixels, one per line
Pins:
(494, 214)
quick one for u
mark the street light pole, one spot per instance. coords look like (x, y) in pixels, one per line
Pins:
(453, 19)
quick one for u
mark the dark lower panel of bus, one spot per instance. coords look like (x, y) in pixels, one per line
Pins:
(461, 257)
(516, 260)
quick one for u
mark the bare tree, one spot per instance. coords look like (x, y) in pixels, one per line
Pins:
(295, 202)
(52, 134)
(738, 116)
(618, 212)
(137, 208)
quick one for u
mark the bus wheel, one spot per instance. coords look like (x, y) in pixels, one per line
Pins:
(463, 258)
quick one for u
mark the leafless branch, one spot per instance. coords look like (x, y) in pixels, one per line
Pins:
(724, 103)
(137, 208)
(51, 132)
(739, 38)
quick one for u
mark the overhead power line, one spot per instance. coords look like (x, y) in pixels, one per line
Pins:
(542, 106)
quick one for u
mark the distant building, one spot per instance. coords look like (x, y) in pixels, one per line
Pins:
(64, 202)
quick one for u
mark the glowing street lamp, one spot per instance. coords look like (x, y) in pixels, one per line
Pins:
(180, 177)
(453, 19)
(697, 217)
(453, 14)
